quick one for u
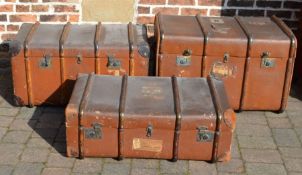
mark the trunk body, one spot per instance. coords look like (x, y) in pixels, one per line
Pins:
(51, 56)
(254, 56)
(147, 117)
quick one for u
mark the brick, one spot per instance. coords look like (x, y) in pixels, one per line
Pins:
(291, 152)
(275, 115)
(223, 12)
(45, 133)
(5, 170)
(11, 152)
(279, 13)
(35, 155)
(2, 28)
(261, 155)
(292, 4)
(111, 160)
(268, 169)
(59, 161)
(143, 10)
(65, 8)
(253, 130)
(5, 121)
(29, 113)
(28, 169)
(74, 18)
(198, 167)
(271, 4)
(53, 18)
(116, 169)
(9, 111)
(24, 125)
(181, 2)
(240, 3)
(235, 149)
(296, 121)
(16, 136)
(180, 167)
(152, 2)
(88, 165)
(250, 12)
(257, 118)
(233, 166)
(2, 132)
(190, 11)
(59, 147)
(293, 164)
(145, 20)
(39, 8)
(286, 137)
(6, 8)
(29, 1)
(12, 27)
(142, 171)
(22, 8)
(165, 10)
(210, 2)
(54, 171)
(256, 142)
(145, 163)
(39, 143)
(10, 0)
(22, 18)
(279, 123)
(8, 36)
(49, 124)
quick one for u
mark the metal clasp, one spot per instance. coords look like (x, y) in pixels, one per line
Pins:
(187, 52)
(79, 59)
(45, 61)
(204, 135)
(266, 61)
(149, 130)
(95, 132)
(113, 63)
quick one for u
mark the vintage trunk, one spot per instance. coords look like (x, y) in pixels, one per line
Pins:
(269, 66)
(149, 117)
(179, 46)
(253, 55)
(49, 57)
(225, 53)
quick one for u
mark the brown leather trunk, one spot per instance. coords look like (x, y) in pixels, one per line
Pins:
(149, 117)
(50, 57)
(254, 56)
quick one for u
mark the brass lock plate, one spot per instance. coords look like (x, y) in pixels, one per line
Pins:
(183, 60)
(95, 132)
(45, 62)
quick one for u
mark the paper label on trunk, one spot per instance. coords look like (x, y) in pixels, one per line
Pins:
(147, 145)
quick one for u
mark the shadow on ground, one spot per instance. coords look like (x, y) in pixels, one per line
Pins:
(46, 122)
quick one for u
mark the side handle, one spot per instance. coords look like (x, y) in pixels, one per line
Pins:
(12, 47)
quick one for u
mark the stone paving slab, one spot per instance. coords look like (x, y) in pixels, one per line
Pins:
(32, 141)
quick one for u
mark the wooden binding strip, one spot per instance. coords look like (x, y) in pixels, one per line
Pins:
(82, 107)
(220, 116)
(206, 40)
(247, 63)
(121, 117)
(131, 48)
(178, 118)
(160, 36)
(290, 62)
(65, 32)
(27, 64)
(96, 47)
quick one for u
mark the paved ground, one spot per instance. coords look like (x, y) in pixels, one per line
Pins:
(32, 142)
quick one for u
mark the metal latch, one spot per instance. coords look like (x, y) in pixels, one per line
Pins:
(113, 63)
(204, 135)
(185, 59)
(79, 59)
(149, 130)
(95, 132)
(266, 61)
(45, 62)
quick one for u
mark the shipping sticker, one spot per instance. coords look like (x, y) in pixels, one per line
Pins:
(223, 70)
(152, 91)
(147, 145)
(257, 23)
(217, 20)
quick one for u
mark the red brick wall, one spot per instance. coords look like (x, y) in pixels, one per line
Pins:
(14, 12)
